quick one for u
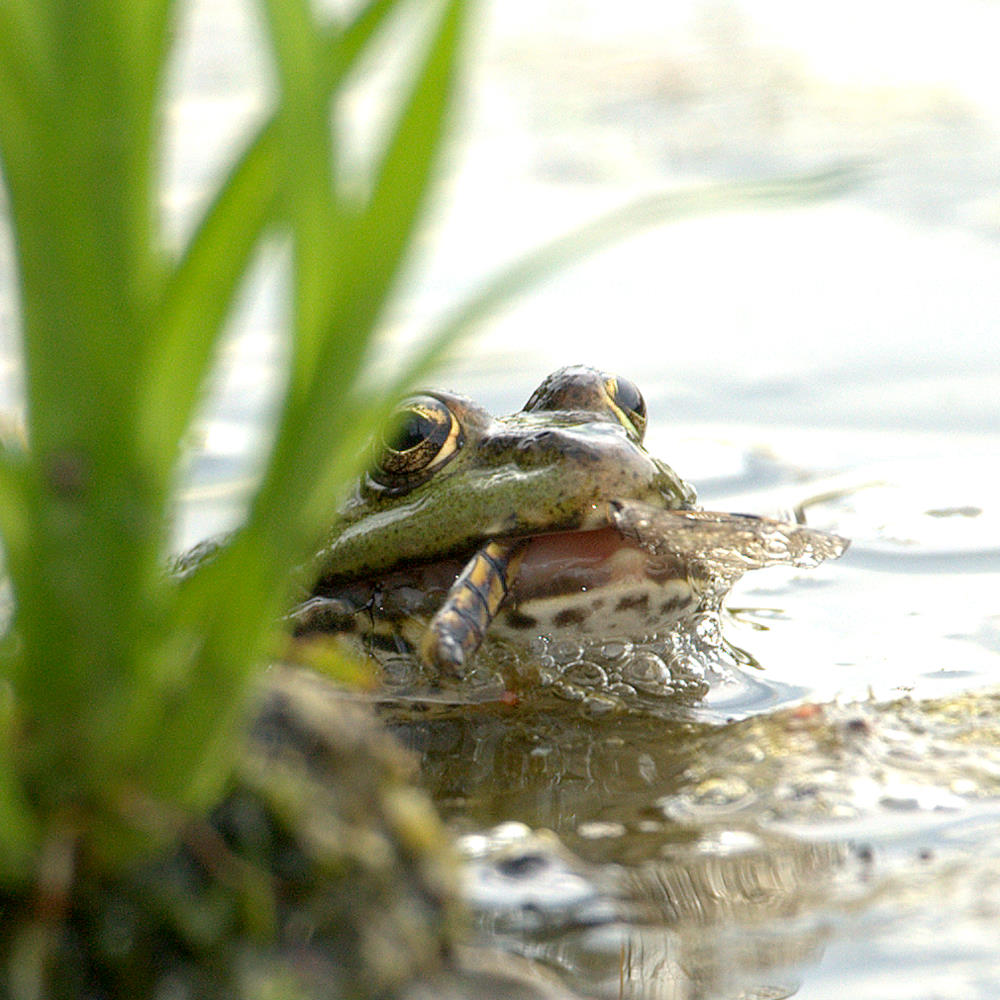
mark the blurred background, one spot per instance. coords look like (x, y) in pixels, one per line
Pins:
(876, 310)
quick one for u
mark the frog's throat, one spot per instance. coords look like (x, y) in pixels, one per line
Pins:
(548, 566)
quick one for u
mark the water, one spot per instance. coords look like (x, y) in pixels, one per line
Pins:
(839, 835)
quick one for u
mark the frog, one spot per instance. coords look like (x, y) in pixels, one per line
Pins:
(550, 522)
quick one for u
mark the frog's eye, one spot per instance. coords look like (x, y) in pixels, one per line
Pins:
(628, 403)
(423, 434)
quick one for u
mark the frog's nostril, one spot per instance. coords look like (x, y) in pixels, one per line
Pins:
(532, 442)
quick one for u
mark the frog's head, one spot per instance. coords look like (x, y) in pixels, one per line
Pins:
(448, 476)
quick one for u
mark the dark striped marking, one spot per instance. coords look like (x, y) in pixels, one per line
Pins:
(457, 629)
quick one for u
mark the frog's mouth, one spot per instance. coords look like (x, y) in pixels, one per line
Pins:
(578, 562)
(645, 567)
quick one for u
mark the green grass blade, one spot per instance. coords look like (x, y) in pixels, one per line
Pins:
(81, 203)
(82, 529)
(202, 285)
(343, 43)
(26, 42)
(199, 294)
(19, 833)
(15, 520)
(25, 68)
(374, 251)
(145, 32)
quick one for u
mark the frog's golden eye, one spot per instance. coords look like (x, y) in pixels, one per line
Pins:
(628, 402)
(423, 434)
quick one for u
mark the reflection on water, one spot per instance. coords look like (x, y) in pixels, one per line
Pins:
(596, 880)
(658, 859)
(731, 923)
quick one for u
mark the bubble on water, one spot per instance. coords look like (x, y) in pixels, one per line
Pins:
(674, 664)
(568, 691)
(647, 672)
(708, 630)
(586, 674)
(686, 657)
(692, 686)
(547, 671)
(624, 692)
(597, 704)
(616, 650)
(566, 651)
(775, 544)
(480, 676)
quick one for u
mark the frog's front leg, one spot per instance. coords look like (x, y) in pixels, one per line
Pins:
(458, 628)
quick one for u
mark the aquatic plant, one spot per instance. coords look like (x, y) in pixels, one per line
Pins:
(122, 684)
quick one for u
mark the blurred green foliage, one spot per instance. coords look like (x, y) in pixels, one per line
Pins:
(120, 681)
